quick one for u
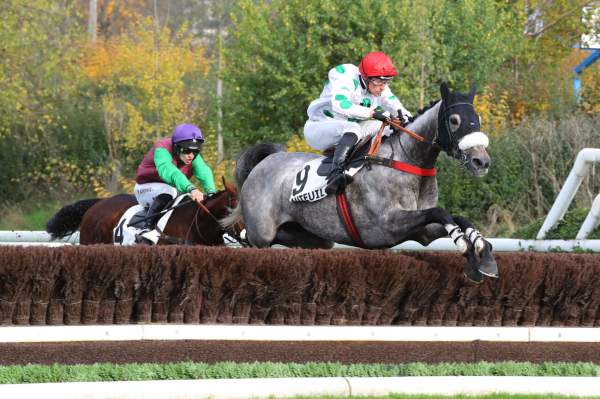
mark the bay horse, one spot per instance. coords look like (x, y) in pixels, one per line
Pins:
(189, 224)
(388, 206)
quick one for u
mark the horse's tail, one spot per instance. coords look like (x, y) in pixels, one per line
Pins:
(251, 157)
(244, 165)
(233, 218)
(66, 221)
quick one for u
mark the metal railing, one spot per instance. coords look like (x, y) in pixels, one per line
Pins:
(581, 168)
(27, 238)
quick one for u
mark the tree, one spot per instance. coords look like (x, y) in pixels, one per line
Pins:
(279, 53)
(39, 76)
(148, 80)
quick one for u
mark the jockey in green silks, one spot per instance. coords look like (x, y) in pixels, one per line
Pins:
(352, 105)
(165, 172)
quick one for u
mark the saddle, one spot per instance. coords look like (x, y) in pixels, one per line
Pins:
(356, 159)
(131, 221)
(309, 184)
(138, 219)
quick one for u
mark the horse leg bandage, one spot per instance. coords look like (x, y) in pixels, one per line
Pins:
(476, 239)
(458, 237)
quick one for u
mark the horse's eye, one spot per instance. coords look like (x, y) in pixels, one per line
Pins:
(454, 122)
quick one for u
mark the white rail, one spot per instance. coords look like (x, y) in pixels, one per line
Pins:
(581, 168)
(290, 387)
(33, 237)
(27, 238)
(271, 333)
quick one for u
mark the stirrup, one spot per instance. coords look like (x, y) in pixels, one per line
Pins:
(148, 237)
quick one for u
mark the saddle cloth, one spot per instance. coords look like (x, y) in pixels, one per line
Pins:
(311, 179)
(127, 228)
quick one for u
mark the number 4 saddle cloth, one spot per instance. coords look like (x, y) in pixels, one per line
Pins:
(130, 223)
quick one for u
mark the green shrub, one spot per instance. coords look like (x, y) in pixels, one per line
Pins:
(566, 228)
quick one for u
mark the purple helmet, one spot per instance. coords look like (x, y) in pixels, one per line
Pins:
(187, 136)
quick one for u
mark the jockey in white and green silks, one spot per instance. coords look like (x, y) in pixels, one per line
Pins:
(343, 114)
(165, 172)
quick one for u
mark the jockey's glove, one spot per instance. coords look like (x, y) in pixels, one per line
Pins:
(405, 119)
(382, 115)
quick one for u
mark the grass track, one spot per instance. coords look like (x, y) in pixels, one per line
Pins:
(188, 370)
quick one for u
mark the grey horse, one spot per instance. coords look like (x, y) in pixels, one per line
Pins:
(388, 206)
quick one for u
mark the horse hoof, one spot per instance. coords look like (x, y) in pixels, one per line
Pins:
(489, 268)
(473, 274)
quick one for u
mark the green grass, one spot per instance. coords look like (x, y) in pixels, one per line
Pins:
(34, 218)
(490, 396)
(188, 370)
(565, 229)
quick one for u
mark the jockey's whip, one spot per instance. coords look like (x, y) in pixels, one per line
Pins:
(398, 125)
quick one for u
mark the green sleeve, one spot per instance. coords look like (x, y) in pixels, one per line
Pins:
(204, 174)
(169, 172)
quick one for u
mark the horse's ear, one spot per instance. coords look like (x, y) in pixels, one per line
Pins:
(444, 91)
(229, 187)
(473, 91)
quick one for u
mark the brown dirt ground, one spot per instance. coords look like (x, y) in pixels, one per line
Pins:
(344, 352)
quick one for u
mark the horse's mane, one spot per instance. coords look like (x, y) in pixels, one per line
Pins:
(425, 108)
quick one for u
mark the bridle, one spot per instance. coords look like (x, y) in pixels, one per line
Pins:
(194, 225)
(449, 146)
(342, 205)
(443, 121)
(443, 124)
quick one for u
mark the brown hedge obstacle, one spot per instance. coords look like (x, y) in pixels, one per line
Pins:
(102, 284)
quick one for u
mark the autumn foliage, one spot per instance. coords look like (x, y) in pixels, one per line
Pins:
(76, 116)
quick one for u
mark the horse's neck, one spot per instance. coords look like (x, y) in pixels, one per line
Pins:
(403, 147)
(218, 204)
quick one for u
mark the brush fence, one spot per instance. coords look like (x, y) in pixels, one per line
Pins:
(182, 284)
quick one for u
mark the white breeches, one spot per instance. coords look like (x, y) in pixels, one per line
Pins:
(325, 134)
(145, 193)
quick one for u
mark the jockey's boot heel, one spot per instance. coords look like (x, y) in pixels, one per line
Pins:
(149, 235)
(337, 179)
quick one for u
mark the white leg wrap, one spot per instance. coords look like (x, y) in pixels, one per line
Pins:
(476, 239)
(458, 237)
(152, 235)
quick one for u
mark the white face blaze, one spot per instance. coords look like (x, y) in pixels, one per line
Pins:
(473, 140)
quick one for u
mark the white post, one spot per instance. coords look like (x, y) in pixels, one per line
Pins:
(567, 193)
(591, 221)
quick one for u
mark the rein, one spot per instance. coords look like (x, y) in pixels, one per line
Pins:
(201, 207)
(398, 126)
(185, 241)
(372, 158)
(401, 166)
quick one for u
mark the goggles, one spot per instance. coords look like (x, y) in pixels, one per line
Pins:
(380, 80)
(187, 151)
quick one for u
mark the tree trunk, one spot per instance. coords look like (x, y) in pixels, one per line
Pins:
(93, 20)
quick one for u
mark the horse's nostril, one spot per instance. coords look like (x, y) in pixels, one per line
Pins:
(481, 163)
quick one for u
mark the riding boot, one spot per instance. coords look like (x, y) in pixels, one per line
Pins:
(337, 178)
(149, 235)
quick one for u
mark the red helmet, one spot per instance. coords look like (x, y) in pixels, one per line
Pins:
(376, 64)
